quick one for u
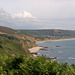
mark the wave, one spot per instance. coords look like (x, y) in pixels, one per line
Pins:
(59, 51)
(71, 57)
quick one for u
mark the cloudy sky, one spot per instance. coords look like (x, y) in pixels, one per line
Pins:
(38, 14)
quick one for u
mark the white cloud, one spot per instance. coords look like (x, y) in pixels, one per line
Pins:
(25, 20)
(57, 15)
(25, 14)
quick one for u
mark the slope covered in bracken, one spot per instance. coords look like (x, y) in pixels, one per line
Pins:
(7, 30)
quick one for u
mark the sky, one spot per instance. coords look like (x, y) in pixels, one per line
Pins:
(38, 14)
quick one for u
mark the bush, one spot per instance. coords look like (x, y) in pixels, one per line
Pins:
(34, 66)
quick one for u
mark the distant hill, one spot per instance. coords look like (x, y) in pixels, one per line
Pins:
(52, 33)
(40, 34)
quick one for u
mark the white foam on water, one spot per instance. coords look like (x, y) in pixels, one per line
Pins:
(71, 57)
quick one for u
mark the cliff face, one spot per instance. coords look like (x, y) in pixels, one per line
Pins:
(15, 44)
(11, 45)
(27, 41)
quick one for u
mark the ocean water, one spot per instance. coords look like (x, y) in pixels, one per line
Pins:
(64, 50)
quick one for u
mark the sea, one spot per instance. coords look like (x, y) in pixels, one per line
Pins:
(64, 50)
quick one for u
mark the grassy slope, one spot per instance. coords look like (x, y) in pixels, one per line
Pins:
(14, 43)
(11, 47)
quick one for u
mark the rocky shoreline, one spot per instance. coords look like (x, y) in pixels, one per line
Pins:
(34, 50)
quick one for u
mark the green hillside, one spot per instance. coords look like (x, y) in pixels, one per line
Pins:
(11, 46)
(14, 43)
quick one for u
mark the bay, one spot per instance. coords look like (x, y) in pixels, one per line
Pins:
(64, 50)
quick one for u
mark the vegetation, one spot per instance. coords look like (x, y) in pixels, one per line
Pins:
(9, 37)
(7, 30)
(34, 66)
(11, 46)
(15, 58)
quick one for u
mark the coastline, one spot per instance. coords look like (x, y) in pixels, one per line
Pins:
(34, 50)
(54, 40)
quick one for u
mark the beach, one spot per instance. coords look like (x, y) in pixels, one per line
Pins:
(34, 50)
(54, 40)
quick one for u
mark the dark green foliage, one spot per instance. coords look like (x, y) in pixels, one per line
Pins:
(73, 65)
(34, 66)
(1, 46)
